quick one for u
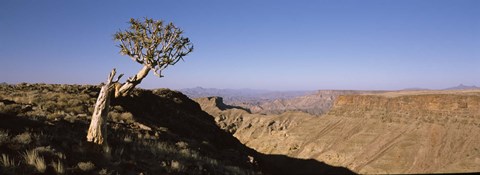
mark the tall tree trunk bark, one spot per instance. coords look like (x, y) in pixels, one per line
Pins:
(97, 132)
(128, 86)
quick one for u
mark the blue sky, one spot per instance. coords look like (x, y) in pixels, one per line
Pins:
(276, 45)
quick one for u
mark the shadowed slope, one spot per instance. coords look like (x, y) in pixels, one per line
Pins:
(201, 122)
(160, 132)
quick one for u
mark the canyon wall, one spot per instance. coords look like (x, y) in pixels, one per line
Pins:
(393, 132)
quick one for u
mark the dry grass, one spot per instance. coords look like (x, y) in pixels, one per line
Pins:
(58, 167)
(30, 156)
(51, 120)
(8, 162)
(40, 164)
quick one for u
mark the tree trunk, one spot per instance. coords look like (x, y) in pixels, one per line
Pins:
(126, 88)
(97, 132)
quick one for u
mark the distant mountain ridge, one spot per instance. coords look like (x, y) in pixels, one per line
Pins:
(462, 87)
(459, 87)
(274, 102)
(241, 95)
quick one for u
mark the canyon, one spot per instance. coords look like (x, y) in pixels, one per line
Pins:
(274, 102)
(370, 133)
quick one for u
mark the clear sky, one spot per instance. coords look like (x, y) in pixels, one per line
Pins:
(276, 45)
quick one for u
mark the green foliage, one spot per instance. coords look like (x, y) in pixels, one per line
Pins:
(153, 43)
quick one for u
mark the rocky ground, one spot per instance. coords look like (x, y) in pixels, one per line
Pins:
(43, 131)
(393, 132)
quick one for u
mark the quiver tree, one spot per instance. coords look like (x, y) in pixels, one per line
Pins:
(154, 44)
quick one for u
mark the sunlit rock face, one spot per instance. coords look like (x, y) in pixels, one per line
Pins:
(391, 132)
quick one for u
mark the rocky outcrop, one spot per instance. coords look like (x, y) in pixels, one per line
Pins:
(317, 103)
(440, 108)
(393, 132)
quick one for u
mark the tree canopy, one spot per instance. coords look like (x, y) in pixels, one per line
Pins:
(153, 43)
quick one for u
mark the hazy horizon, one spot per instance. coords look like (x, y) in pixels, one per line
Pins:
(271, 45)
(268, 90)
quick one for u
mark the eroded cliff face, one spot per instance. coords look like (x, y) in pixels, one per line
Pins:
(317, 103)
(395, 132)
(440, 108)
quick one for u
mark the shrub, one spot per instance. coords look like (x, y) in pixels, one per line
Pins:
(75, 109)
(11, 109)
(24, 138)
(3, 136)
(50, 106)
(127, 117)
(115, 116)
(74, 102)
(86, 166)
(176, 165)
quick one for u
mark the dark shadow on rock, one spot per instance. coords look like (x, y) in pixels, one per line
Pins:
(281, 164)
(222, 106)
(183, 116)
(17, 124)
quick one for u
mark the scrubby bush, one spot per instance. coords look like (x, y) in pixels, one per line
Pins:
(125, 117)
(3, 136)
(24, 138)
(86, 166)
(13, 109)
